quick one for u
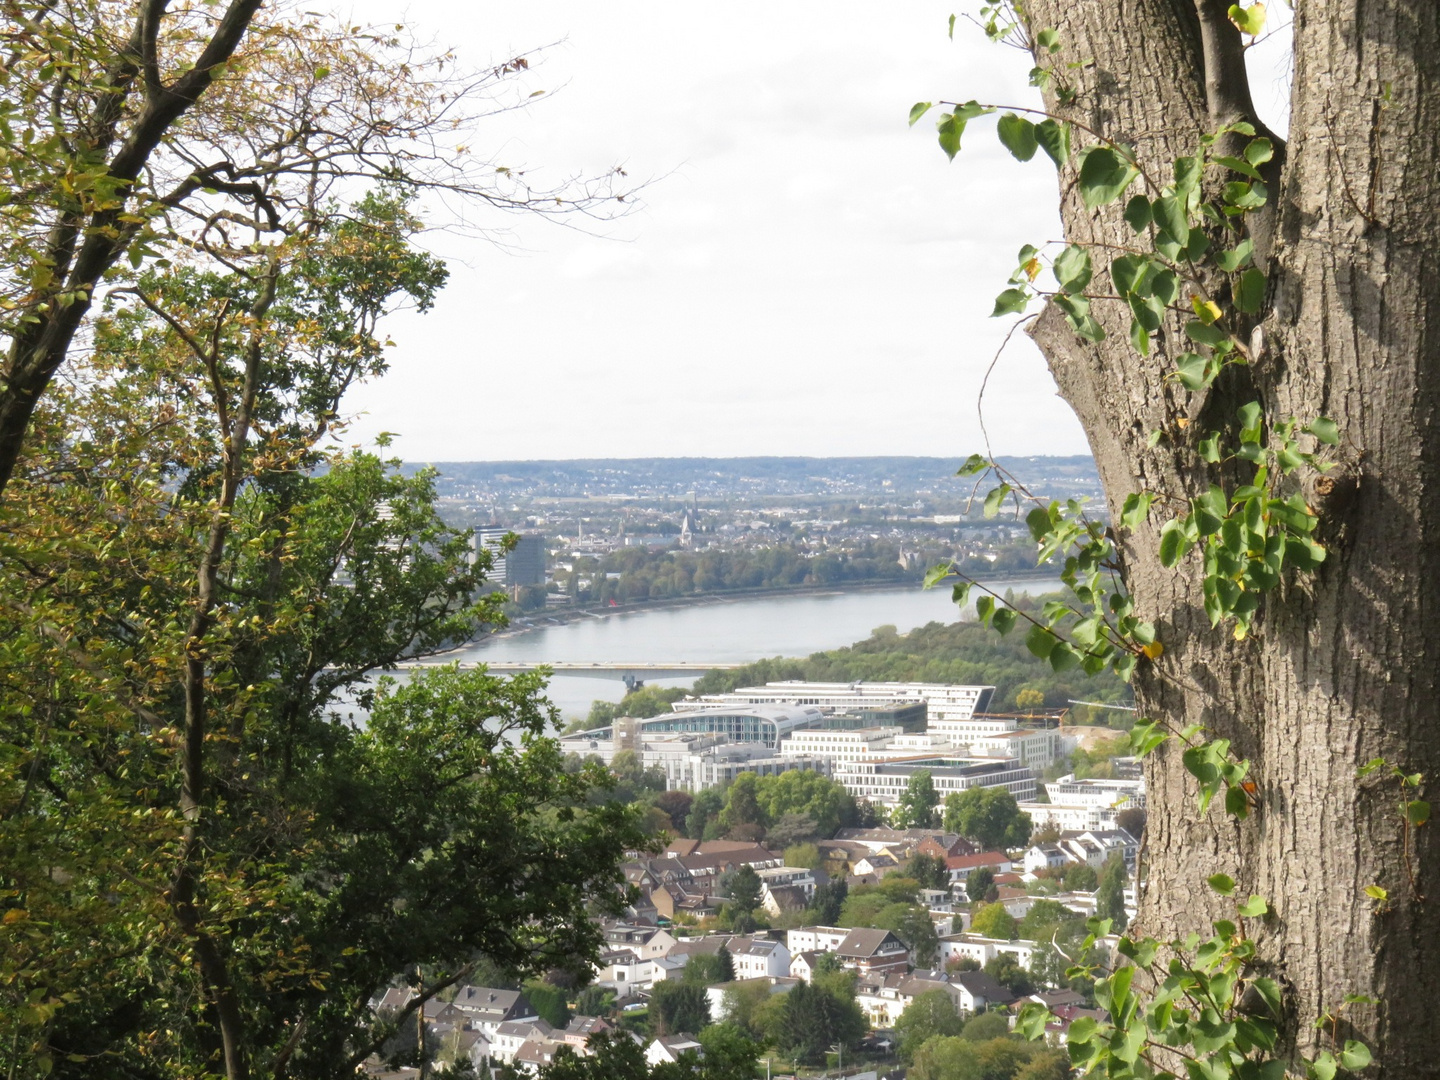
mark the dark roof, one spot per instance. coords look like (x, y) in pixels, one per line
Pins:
(864, 942)
(981, 985)
(493, 1005)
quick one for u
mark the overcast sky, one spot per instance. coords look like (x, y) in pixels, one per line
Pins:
(806, 275)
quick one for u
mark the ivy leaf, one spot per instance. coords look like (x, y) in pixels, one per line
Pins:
(1326, 430)
(1054, 138)
(1018, 136)
(1355, 1056)
(1250, 294)
(1254, 907)
(1171, 218)
(1223, 884)
(1010, 302)
(1137, 213)
(1072, 268)
(1135, 510)
(1191, 368)
(919, 109)
(1173, 543)
(1259, 151)
(1238, 256)
(1104, 176)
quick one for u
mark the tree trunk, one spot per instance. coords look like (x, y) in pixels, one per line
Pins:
(1342, 665)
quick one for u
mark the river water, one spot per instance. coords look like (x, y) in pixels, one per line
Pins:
(719, 631)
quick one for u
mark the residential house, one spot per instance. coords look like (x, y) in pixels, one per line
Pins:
(815, 938)
(535, 1054)
(486, 1008)
(802, 965)
(868, 951)
(961, 866)
(669, 1048)
(874, 866)
(578, 1032)
(1044, 857)
(513, 1034)
(946, 846)
(756, 958)
(983, 949)
(884, 997)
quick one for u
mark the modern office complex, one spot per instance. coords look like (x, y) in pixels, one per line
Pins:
(871, 737)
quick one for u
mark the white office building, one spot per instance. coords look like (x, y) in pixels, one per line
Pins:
(943, 703)
(882, 781)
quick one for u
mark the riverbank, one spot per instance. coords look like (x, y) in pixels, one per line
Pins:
(540, 621)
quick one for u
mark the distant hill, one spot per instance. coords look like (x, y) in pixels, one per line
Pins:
(749, 475)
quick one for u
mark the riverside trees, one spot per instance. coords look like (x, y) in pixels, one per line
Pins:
(1245, 328)
(206, 865)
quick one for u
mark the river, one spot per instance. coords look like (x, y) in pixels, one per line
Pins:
(717, 630)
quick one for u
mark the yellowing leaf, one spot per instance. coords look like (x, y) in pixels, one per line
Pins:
(1207, 310)
(1250, 20)
(1154, 650)
(1182, 422)
(15, 915)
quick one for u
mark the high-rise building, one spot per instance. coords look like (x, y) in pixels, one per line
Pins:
(524, 564)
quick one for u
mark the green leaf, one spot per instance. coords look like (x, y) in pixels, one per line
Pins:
(1010, 302)
(1048, 39)
(1376, 892)
(1223, 884)
(1355, 1056)
(1250, 293)
(1269, 991)
(1325, 429)
(974, 464)
(1259, 151)
(951, 127)
(1135, 510)
(1238, 256)
(1072, 268)
(1250, 20)
(936, 574)
(960, 593)
(1191, 368)
(1254, 907)
(1004, 620)
(1236, 165)
(1128, 272)
(1417, 812)
(1054, 138)
(1138, 214)
(1104, 176)
(1205, 334)
(1040, 642)
(919, 109)
(1245, 196)
(1171, 218)
(1323, 1067)
(1018, 136)
(995, 499)
(1145, 736)
(1173, 543)
(1063, 657)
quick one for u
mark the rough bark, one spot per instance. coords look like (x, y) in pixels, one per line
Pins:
(1343, 664)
